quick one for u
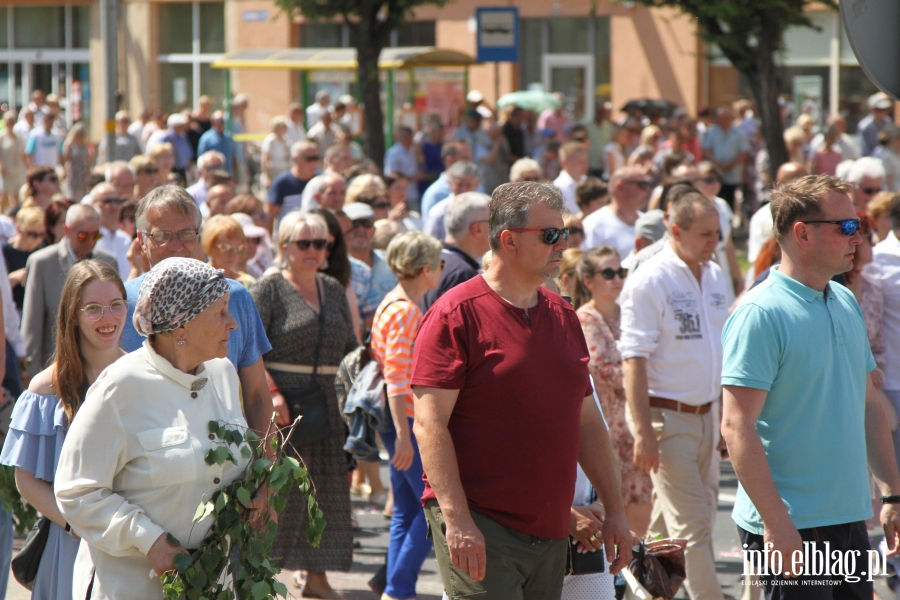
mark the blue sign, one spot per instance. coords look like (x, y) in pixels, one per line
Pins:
(498, 34)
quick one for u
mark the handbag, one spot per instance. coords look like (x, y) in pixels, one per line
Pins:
(583, 564)
(25, 564)
(310, 402)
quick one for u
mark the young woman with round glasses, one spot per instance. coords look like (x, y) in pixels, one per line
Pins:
(91, 317)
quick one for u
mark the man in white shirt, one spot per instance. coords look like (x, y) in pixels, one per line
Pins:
(761, 226)
(25, 125)
(115, 241)
(208, 162)
(136, 129)
(673, 313)
(613, 225)
(573, 156)
(295, 130)
(887, 259)
(318, 108)
(43, 147)
(867, 176)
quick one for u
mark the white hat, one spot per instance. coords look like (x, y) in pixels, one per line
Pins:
(474, 96)
(359, 210)
(879, 101)
(176, 120)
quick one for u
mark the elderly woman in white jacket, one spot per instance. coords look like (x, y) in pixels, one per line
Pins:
(132, 468)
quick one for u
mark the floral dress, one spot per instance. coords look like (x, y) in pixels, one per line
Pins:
(606, 370)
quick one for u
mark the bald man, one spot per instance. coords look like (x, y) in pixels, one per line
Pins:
(760, 228)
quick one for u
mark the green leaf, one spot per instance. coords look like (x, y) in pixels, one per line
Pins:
(237, 437)
(182, 561)
(260, 590)
(221, 502)
(279, 588)
(260, 465)
(246, 452)
(214, 427)
(251, 436)
(243, 496)
(199, 513)
(278, 503)
(172, 540)
(198, 580)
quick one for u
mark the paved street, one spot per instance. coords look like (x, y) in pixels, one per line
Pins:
(372, 539)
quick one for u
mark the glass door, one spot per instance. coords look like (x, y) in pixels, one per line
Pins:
(573, 76)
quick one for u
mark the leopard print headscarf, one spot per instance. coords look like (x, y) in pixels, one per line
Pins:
(174, 292)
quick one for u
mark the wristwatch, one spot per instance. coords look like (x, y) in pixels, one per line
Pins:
(890, 499)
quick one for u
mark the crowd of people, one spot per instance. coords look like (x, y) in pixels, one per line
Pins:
(570, 281)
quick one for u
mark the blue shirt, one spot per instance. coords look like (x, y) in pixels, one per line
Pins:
(246, 344)
(383, 279)
(725, 147)
(287, 192)
(402, 160)
(361, 280)
(810, 352)
(184, 153)
(213, 140)
(436, 192)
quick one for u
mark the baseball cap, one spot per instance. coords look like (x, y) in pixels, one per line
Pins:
(650, 225)
(176, 120)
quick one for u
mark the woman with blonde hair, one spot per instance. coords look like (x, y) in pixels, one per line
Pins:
(415, 258)
(89, 324)
(525, 169)
(794, 139)
(308, 322)
(276, 151)
(568, 272)
(76, 156)
(369, 189)
(163, 154)
(30, 235)
(600, 280)
(879, 208)
(224, 242)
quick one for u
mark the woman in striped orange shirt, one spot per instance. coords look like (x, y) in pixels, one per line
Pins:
(416, 260)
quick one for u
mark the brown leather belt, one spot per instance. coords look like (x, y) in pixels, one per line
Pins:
(679, 406)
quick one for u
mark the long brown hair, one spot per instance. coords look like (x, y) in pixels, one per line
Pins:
(587, 264)
(69, 375)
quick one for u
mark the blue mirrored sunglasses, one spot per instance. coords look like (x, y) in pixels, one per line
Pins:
(848, 226)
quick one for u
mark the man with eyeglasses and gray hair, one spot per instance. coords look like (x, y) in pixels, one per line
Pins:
(47, 270)
(613, 224)
(474, 366)
(467, 239)
(168, 224)
(673, 312)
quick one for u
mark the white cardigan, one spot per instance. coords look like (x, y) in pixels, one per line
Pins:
(132, 467)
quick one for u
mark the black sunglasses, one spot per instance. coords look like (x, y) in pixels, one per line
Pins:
(709, 180)
(366, 223)
(380, 205)
(609, 273)
(576, 231)
(116, 201)
(870, 191)
(848, 226)
(317, 244)
(643, 185)
(551, 234)
(308, 158)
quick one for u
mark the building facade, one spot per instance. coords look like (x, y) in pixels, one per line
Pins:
(586, 49)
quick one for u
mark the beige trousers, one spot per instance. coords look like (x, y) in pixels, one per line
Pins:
(681, 506)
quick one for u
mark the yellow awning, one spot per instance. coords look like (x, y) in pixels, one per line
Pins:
(317, 59)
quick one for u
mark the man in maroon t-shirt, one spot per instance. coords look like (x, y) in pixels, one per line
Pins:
(505, 410)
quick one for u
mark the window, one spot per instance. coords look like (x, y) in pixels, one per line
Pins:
(81, 26)
(339, 35)
(561, 35)
(39, 26)
(416, 33)
(191, 36)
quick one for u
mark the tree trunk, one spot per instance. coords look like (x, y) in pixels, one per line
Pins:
(368, 50)
(766, 84)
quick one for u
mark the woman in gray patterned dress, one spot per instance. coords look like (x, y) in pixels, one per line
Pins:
(289, 303)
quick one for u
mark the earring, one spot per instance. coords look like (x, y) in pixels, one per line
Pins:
(181, 342)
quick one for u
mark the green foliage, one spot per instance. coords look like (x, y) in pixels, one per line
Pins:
(24, 515)
(235, 547)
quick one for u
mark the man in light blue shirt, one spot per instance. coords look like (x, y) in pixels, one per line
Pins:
(170, 212)
(400, 158)
(727, 147)
(801, 415)
(218, 139)
(451, 152)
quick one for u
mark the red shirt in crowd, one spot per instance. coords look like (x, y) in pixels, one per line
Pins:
(516, 424)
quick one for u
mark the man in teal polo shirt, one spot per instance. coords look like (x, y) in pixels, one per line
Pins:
(800, 415)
